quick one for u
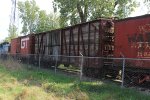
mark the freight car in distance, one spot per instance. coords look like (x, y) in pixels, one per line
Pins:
(4, 47)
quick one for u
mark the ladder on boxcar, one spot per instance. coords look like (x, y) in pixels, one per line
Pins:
(108, 48)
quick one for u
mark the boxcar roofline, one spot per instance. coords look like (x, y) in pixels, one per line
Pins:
(131, 18)
(74, 25)
(23, 36)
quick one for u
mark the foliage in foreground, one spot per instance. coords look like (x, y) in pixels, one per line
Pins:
(35, 84)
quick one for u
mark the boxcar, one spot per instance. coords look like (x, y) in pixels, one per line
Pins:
(91, 39)
(132, 40)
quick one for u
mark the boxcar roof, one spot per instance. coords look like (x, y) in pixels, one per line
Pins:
(132, 18)
(23, 36)
(74, 25)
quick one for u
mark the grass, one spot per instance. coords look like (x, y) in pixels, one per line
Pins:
(32, 84)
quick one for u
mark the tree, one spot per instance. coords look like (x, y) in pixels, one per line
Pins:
(47, 22)
(79, 11)
(123, 8)
(28, 13)
(35, 20)
(12, 33)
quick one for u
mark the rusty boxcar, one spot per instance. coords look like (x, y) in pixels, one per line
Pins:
(132, 40)
(92, 39)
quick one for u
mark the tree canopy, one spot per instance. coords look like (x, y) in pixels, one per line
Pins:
(78, 11)
(28, 12)
(47, 22)
(12, 33)
(71, 12)
(35, 20)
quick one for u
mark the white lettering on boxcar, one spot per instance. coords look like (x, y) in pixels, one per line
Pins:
(24, 42)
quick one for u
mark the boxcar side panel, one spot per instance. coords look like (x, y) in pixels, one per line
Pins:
(15, 46)
(89, 39)
(132, 39)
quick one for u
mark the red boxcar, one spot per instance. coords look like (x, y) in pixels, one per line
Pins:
(132, 39)
(23, 45)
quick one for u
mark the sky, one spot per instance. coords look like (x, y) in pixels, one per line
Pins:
(5, 12)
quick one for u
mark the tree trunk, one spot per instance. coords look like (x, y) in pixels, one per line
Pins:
(81, 14)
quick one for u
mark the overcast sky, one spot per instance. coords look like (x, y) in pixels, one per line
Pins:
(5, 11)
